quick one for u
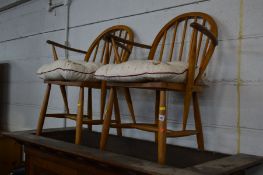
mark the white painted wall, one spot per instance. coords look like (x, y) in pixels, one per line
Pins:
(25, 29)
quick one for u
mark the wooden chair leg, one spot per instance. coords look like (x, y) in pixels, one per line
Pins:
(103, 99)
(157, 103)
(187, 102)
(198, 122)
(43, 110)
(129, 102)
(79, 116)
(117, 112)
(107, 121)
(162, 128)
(90, 108)
(65, 99)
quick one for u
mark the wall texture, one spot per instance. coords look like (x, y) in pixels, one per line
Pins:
(25, 29)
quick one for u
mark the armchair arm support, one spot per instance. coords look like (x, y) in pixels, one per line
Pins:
(205, 31)
(121, 40)
(109, 38)
(65, 47)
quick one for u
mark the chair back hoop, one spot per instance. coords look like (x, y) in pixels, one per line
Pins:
(104, 50)
(194, 31)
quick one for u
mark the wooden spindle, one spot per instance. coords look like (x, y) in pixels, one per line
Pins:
(107, 56)
(173, 41)
(162, 48)
(122, 50)
(111, 45)
(200, 42)
(204, 51)
(103, 51)
(116, 54)
(96, 51)
(182, 42)
(55, 56)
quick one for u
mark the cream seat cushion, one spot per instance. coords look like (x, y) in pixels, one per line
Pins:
(68, 70)
(143, 70)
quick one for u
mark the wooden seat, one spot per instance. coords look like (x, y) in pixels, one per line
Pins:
(102, 50)
(192, 36)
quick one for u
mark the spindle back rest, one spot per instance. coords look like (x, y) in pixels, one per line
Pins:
(182, 37)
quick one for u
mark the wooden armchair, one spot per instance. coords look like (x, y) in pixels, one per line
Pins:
(195, 32)
(99, 51)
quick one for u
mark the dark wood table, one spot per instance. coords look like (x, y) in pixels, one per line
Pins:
(54, 153)
(10, 155)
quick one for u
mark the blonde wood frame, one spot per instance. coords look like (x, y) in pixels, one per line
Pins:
(80, 118)
(190, 88)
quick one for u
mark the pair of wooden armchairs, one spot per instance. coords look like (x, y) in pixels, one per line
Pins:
(190, 39)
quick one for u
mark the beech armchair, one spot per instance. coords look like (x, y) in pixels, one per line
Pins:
(177, 60)
(80, 74)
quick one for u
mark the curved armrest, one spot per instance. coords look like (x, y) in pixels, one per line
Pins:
(66, 47)
(121, 40)
(205, 31)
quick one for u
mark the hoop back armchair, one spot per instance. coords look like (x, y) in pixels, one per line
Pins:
(187, 41)
(102, 51)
